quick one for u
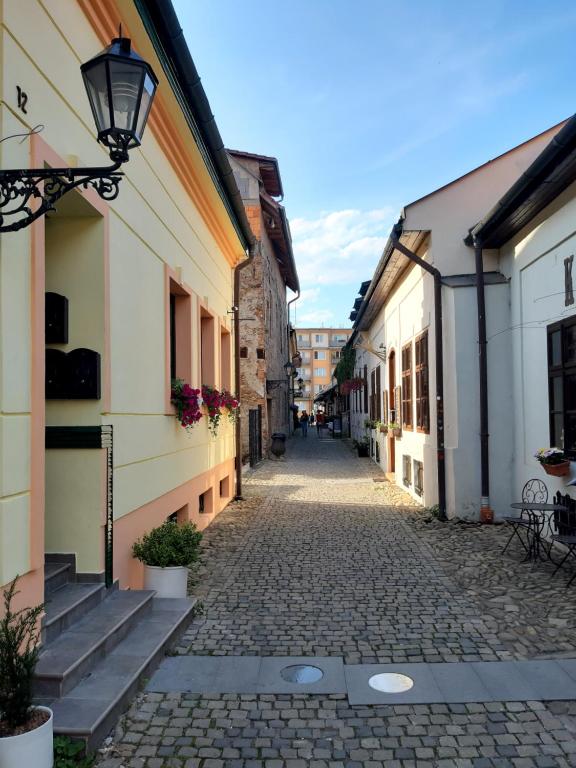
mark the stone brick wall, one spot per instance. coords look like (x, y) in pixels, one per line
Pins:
(263, 326)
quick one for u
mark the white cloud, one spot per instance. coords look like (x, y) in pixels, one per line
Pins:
(318, 317)
(339, 246)
(334, 254)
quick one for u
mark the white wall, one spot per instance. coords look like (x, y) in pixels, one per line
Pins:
(535, 263)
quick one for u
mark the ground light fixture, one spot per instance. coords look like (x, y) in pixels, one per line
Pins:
(120, 87)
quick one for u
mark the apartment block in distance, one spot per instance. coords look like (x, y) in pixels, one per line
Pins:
(320, 350)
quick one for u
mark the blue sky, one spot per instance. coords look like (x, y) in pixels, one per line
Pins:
(371, 104)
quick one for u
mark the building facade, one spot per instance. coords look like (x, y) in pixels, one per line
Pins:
(319, 350)
(103, 304)
(530, 231)
(265, 383)
(428, 439)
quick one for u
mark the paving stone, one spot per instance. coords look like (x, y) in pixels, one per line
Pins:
(318, 560)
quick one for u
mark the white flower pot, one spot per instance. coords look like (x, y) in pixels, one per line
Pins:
(34, 748)
(168, 582)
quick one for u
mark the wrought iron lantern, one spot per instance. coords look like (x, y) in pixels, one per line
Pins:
(121, 88)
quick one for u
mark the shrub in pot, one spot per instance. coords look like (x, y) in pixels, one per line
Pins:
(25, 731)
(167, 552)
(362, 446)
(395, 428)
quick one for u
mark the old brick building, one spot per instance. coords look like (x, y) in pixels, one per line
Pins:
(264, 331)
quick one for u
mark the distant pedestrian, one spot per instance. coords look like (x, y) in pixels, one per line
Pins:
(319, 422)
(311, 421)
(304, 419)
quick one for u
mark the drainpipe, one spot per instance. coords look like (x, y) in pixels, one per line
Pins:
(254, 245)
(440, 462)
(486, 513)
(290, 419)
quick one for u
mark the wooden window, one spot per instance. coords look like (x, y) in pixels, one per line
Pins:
(225, 359)
(372, 408)
(207, 344)
(422, 393)
(178, 330)
(378, 396)
(365, 389)
(407, 386)
(562, 385)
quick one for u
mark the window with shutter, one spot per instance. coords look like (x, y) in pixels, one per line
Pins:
(562, 385)
(378, 395)
(422, 395)
(407, 386)
(365, 389)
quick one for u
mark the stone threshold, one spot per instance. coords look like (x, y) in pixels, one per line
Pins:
(442, 683)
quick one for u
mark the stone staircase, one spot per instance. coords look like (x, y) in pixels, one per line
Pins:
(98, 645)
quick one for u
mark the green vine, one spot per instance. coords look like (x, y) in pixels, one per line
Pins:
(345, 368)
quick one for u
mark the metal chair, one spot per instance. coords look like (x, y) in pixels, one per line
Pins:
(534, 492)
(563, 531)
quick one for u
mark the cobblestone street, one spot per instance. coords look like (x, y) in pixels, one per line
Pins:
(321, 560)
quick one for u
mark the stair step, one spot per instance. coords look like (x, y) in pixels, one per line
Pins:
(56, 575)
(66, 660)
(90, 710)
(67, 605)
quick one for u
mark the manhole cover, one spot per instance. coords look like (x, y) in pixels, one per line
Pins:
(301, 673)
(391, 682)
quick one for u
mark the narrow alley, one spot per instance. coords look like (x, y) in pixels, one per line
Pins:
(323, 558)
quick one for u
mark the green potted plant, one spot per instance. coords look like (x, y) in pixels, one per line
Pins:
(369, 424)
(553, 461)
(362, 446)
(382, 427)
(395, 428)
(25, 731)
(167, 552)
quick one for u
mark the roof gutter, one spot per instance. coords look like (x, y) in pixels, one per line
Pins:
(534, 177)
(439, 349)
(163, 28)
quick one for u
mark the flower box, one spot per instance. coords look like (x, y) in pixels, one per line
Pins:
(558, 470)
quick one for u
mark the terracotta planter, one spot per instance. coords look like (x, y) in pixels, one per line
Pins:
(397, 432)
(558, 470)
(384, 430)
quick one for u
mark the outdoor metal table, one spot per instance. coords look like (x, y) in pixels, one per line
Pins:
(537, 519)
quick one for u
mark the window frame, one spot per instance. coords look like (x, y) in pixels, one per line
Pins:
(407, 406)
(422, 378)
(178, 333)
(562, 371)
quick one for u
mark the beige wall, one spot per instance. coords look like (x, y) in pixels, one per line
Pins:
(113, 273)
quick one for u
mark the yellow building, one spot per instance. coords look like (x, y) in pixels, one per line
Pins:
(144, 284)
(320, 350)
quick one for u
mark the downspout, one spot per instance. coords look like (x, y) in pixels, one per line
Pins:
(237, 381)
(290, 419)
(486, 513)
(439, 349)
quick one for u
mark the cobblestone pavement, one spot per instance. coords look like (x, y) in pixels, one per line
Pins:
(321, 560)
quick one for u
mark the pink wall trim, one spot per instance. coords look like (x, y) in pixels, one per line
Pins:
(208, 347)
(130, 527)
(184, 340)
(32, 584)
(225, 358)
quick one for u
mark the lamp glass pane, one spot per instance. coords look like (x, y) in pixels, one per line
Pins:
(145, 104)
(97, 89)
(126, 79)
